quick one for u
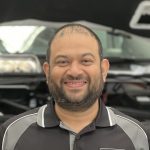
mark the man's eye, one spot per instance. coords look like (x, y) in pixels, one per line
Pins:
(62, 62)
(87, 61)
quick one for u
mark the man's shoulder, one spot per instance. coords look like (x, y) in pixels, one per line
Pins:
(26, 114)
(15, 126)
(133, 128)
(126, 121)
(122, 116)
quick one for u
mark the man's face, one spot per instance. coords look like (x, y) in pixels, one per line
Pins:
(75, 75)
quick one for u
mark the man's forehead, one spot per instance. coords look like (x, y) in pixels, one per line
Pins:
(74, 35)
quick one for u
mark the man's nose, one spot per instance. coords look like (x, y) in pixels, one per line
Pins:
(75, 69)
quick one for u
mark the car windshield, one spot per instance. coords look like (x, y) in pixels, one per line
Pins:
(24, 39)
(124, 45)
(34, 40)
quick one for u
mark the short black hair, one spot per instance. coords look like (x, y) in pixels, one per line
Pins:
(73, 26)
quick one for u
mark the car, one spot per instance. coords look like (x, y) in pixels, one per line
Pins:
(23, 48)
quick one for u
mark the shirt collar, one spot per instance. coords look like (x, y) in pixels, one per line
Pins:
(47, 116)
(105, 117)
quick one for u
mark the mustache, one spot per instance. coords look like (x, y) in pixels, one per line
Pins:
(79, 77)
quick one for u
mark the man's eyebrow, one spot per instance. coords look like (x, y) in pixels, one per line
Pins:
(83, 55)
(60, 56)
(88, 54)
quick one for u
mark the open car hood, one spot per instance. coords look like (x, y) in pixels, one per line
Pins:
(124, 90)
(129, 15)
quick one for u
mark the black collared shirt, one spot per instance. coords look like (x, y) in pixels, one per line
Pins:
(41, 129)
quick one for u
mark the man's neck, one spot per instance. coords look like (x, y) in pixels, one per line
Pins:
(76, 121)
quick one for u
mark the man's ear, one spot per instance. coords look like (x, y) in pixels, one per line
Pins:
(46, 69)
(105, 68)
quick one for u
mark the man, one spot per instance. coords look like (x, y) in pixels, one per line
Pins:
(75, 118)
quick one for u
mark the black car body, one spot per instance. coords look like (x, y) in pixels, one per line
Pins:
(23, 46)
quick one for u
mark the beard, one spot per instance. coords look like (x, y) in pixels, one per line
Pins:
(72, 103)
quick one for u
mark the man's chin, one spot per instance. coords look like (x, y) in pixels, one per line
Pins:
(76, 104)
(76, 97)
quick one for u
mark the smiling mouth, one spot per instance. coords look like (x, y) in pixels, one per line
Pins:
(75, 83)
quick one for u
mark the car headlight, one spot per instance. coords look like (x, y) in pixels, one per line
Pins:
(19, 63)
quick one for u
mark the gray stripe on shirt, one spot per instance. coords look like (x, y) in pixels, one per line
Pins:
(72, 139)
(134, 131)
(15, 130)
(72, 134)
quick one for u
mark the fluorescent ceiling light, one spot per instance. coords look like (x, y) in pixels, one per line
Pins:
(141, 17)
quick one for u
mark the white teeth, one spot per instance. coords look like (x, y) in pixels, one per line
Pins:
(75, 82)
